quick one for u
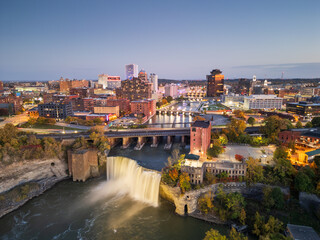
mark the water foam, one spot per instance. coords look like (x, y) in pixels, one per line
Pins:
(141, 184)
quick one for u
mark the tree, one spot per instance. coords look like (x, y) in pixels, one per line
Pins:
(164, 101)
(213, 234)
(234, 235)
(254, 171)
(315, 122)
(235, 128)
(243, 216)
(223, 139)
(214, 151)
(308, 125)
(184, 181)
(267, 200)
(273, 125)
(239, 114)
(251, 121)
(169, 99)
(283, 169)
(299, 124)
(205, 202)
(173, 174)
(305, 180)
(278, 198)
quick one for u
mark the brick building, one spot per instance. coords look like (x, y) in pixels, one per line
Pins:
(135, 89)
(146, 107)
(82, 92)
(65, 84)
(83, 164)
(215, 83)
(124, 104)
(11, 103)
(200, 137)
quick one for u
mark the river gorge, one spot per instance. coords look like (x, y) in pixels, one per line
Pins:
(100, 209)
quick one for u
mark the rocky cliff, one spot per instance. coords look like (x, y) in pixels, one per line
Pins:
(24, 180)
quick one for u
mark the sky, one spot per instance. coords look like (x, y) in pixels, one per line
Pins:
(176, 39)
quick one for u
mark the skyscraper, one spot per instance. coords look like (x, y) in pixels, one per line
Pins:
(215, 83)
(154, 81)
(131, 71)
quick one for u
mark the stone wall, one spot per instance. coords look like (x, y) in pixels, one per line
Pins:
(187, 203)
(22, 181)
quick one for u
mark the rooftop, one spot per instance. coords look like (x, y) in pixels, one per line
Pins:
(299, 232)
(202, 124)
(314, 134)
(313, 153)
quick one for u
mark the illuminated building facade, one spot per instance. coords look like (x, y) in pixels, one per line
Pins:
(200, 137)
(215, 83)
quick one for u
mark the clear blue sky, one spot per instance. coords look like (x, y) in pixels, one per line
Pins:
(46, 39)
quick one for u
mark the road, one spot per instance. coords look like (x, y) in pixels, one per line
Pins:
(15, 119)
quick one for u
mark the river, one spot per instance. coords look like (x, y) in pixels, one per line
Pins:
(74, 210)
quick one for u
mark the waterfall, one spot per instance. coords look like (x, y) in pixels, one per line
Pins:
(142, 184)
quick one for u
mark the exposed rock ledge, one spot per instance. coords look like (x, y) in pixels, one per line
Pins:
(24, 180)
(187, 203)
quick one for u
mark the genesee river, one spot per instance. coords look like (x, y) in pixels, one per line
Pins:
(74, 210)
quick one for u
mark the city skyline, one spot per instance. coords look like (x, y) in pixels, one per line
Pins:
(44, 40)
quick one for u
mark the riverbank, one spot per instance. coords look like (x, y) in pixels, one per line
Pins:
(22, 181)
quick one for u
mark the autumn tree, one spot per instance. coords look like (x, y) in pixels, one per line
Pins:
(235, 129)
(273, 125)
(205, 202)
(213, 234)
(184, 182)
(254, 171)
(234, 235)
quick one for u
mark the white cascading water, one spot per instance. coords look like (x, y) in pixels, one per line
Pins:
(142, 185)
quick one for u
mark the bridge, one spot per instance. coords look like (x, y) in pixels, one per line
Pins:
(127, 135)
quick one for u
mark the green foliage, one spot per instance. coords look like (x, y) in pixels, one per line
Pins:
(214, 151)
(205, 202)
(251, 121)
(230, 205)
(283, 169)
(305, 180)
(299, 124)
(213, 234)
(235, 129)
(273, 125)
(308, 125)
(254, 171)
(267, 230)
(315, 122)
(234, 235)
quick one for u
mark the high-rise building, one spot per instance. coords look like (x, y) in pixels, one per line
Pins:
(107, 81)
(215, 83)
(200, 137)
(143, 75)
(131, 71)
(154, 81)
(134, 89)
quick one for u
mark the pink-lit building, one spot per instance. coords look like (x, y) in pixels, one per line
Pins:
(147, 107)
(200, 136)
